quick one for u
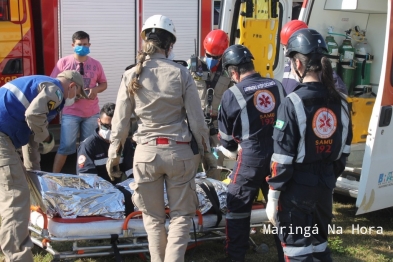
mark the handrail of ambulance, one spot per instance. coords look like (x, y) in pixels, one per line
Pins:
(127, 233)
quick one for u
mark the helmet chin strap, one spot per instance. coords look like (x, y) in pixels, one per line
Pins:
(301, 77)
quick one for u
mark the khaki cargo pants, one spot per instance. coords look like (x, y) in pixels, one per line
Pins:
(31, 156)
(174, 165)
(14, 204)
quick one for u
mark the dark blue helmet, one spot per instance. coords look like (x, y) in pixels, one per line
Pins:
(306, 41)
(236, 55)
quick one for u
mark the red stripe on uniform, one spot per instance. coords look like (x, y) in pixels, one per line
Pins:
(239, 161)
(226, 233)
(286, 258)
(305, 2)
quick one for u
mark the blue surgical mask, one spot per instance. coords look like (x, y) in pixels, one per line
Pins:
(210, 62)
(81, 50)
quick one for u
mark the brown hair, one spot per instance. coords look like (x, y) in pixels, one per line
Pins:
(320, 63)
(149, 47)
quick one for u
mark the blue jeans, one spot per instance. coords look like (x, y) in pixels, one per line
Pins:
(70, 127)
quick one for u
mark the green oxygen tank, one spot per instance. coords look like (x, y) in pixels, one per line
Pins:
(333, 50)
(363, 60)
(346, 67)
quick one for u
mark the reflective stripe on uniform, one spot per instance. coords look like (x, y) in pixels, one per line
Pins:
(21, 97)
(129, 172)
(291, 251)
(102, 162)
(244, 114)
(320, 248)
(282, 159)
(225, 136)
(345, 123)
(301, 121)
(237, 215)
(347, 149)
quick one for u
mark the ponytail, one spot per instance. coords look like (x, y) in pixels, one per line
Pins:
(157, 40)
(328, 81)
(318, 63)
(149, 47)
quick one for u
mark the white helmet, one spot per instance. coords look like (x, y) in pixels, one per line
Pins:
(158, 21)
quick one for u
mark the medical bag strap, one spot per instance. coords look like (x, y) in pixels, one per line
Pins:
(114, 241)
(129, 206)
(193, 143)
(211, 194)
(210, 85)
(128, 68)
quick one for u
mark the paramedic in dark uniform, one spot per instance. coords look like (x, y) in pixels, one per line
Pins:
(290, 80)
(93, 151)
(161, 94)
(246, 117)
(312, 138)
(26, 105)
(211, 84)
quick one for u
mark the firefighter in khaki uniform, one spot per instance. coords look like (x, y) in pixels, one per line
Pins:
(159, 92)
(211, 83)
(26, 105)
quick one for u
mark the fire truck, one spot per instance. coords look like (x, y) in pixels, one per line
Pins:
(34, 34)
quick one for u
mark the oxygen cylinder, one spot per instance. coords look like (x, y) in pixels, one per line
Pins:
(346, 68)
(333, 50)
(363, 59)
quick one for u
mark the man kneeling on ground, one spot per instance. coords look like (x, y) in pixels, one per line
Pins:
(93, 151)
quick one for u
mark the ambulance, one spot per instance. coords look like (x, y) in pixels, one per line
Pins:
(360, 40)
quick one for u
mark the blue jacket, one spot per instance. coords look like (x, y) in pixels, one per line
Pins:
(312, 138)
(93, 155)
(15, 98)
(246, 117)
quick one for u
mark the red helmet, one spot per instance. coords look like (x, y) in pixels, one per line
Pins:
(290, 28)
(216, 42)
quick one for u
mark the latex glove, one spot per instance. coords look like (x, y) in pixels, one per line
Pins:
(46, 147)
(272, 206)
(209, 161)
(113, 168)
(229, 154)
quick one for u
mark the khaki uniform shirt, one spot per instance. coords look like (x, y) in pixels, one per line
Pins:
(223, 83)
(160, 105)
(49, 96)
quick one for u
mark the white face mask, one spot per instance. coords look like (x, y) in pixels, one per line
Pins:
(171, 55)
(105, 134)
(70, 101)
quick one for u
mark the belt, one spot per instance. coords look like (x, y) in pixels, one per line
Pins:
(164, 141)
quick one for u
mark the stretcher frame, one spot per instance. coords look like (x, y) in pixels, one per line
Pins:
(131, 242)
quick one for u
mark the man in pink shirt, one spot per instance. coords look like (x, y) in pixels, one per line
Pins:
(81, 117)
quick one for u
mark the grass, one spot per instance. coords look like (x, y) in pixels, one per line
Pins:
(345, 243)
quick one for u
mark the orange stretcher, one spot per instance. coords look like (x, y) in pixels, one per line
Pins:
(125, 236)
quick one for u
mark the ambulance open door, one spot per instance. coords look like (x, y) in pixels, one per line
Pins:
(376, 180)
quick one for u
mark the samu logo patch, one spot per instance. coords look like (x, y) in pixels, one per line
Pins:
(264, 101)
(324, 123)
